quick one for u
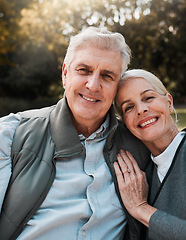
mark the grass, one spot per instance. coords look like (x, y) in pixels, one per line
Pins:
(181, 112)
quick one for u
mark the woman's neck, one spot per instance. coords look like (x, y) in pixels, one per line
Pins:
(158, 146)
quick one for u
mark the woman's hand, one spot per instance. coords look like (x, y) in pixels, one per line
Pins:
(133, 187)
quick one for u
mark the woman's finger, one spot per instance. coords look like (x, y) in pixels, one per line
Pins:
(127, 161)
(136, 168)
(124, 168)
(119, 174)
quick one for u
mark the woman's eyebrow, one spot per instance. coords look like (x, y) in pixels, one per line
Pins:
(147, 90)
(128, 100)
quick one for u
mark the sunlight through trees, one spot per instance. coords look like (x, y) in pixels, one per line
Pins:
(38, 32)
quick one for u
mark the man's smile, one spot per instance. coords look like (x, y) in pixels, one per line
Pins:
(89, 99)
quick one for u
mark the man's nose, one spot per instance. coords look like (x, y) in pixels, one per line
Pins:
(93, 82)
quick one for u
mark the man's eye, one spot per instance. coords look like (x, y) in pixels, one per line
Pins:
(83, 71)
(107, 77)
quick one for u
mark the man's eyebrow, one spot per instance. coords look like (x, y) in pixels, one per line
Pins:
(83, 65)
(110, 72)
(105, 71)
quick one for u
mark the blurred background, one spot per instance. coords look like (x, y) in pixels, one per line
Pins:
(34, 35)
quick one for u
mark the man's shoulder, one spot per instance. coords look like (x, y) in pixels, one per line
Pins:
(127, 141)
(37, 113)
(33, 130)
(123, 133)
(126, 138)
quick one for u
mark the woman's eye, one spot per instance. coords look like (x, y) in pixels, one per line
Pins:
(149, 98)
(127, 109)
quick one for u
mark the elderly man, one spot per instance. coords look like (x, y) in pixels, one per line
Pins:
(57, 176)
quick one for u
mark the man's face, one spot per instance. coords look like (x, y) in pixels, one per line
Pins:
(91, 82)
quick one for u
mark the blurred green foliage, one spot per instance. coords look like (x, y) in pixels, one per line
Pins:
(181, 115)
(34, 35)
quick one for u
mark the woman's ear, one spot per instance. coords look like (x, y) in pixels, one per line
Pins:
(170, 102)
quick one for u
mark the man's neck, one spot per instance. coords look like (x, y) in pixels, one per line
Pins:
(86, 128)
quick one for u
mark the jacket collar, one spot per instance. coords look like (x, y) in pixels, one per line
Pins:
(64, 134)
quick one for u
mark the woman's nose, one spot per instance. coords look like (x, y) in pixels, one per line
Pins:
(142, 109)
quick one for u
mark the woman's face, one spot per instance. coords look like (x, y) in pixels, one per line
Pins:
(146, 113)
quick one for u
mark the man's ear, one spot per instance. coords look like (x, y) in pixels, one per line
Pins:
(170, 102)
(64, 73)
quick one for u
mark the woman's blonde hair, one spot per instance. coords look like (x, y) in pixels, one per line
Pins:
(149, 77)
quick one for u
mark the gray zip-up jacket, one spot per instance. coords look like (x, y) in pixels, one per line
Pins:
(42, 136)
(169, 197)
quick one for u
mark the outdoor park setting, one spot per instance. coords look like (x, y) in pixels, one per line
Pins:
(34, 35)
(181, 118)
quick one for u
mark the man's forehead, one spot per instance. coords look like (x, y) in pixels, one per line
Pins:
(97, 58)
(96, 51)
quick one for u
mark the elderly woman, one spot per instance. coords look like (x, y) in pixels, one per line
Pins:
(146, 107)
